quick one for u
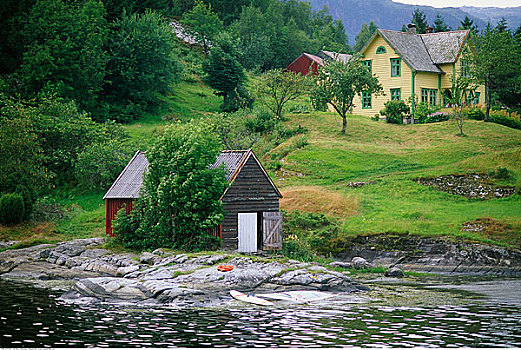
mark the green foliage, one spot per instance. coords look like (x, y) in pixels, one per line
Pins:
(337, 84)
(475, 113)
(500, 173)
(500, 118)
(468, 23)
(422, 110)
(418, 18)
(100, 163)
(233, 129)
(308, 233)
(436, 117)
(275, 88)
(440, 25)
(263, 121)
(12, 209)
(181, 197)
(394, 111)
(202, 22)
(142, 68)
(366, 32)
(225, 74)
(66, 50)
(461, 88)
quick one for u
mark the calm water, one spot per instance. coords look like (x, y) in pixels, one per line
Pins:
(33, 318)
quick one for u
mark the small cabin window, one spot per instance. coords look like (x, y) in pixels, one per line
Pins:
(395, 67)
(380, 49)
(368, 63)
(366, 100)
(396, 94)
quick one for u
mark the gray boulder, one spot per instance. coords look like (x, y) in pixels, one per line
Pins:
(394, 272)
(149, 258)
(360, 263)
(341, 264)
(112, 288)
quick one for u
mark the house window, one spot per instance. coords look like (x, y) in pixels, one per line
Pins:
(380, 49)
(366, 100)
(395, 67)
(476, 98)
(432, 97)
(396, 94)
(369, 64)
(428, 96)
(465, 68)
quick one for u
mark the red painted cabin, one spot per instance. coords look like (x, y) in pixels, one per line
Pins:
(306, 63)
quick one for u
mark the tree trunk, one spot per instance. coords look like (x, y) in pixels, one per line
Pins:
(344, 124)
(487, 100)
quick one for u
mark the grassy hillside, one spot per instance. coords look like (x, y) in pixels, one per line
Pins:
(393, 155)
(315, 178)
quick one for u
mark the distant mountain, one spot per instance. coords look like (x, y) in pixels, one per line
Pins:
(391, 15)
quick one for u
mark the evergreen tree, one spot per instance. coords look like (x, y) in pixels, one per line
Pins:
(404, 29)
(366, 32)
(468, 23)
(440, 25)
(418, 18)
(203, 23)
(502, 25)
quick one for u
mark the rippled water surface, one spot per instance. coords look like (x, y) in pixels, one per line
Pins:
(33, 318)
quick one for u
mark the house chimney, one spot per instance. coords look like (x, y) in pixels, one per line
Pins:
(429, 30)
(412, 28)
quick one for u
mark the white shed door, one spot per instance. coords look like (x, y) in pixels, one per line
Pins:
(247, 227)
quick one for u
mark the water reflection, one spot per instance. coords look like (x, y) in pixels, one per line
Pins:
(32, 318)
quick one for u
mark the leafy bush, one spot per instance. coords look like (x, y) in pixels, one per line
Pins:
(436, 117)
(299, 108)
(300, 141)
(500, 173)
(99, 164)
(306, 234)
(422, 110)
(474, 113)
(47, 209)
(394, 111)
(12, 209)
(504, 119)
(262, 122)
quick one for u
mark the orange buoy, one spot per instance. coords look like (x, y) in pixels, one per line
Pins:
(225, 268)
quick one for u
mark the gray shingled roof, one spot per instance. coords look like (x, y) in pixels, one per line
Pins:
(423, 52)
(412, 49)
(232, 160)
(129, 182)
(341, 57)
(444, 47)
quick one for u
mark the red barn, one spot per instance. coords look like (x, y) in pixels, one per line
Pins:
(305, 63)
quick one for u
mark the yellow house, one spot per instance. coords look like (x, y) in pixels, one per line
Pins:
(414, 68)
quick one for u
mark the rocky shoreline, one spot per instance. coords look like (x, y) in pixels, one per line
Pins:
(88, 274)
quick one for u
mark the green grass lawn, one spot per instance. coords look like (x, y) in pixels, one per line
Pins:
(393, 155)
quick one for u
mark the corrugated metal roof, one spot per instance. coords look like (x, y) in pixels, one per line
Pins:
(232, 161)
(129, 182)
(412, 49)
(444, 47)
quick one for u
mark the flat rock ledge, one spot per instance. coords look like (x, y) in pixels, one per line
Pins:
(91, 274)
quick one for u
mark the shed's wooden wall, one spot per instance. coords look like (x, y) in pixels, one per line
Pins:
(113, 206)
(250, 192)
(302, 64)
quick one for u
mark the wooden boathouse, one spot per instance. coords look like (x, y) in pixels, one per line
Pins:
(252, 220)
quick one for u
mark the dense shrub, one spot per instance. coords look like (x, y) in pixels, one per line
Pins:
(262, 122)
(474, 113)
(436, 117)
(306, 234)
(12, 209)
(422, 110)
(394, 111)
(99, 164)
(47, 209)
(502, 118)
(500, 173)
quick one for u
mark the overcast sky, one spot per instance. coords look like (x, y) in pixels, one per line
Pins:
(458, 3)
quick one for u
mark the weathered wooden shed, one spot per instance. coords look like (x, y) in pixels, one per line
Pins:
(305, 63)
(252, 220)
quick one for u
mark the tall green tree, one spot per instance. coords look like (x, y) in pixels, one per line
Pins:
(181, 198)
(418, 18)
(337, 84)
(366, 32)
(502, 25)
(142, 68)
(495, 62)
(65, 50)
(468, 23)
(203, 23)
(440, 25)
